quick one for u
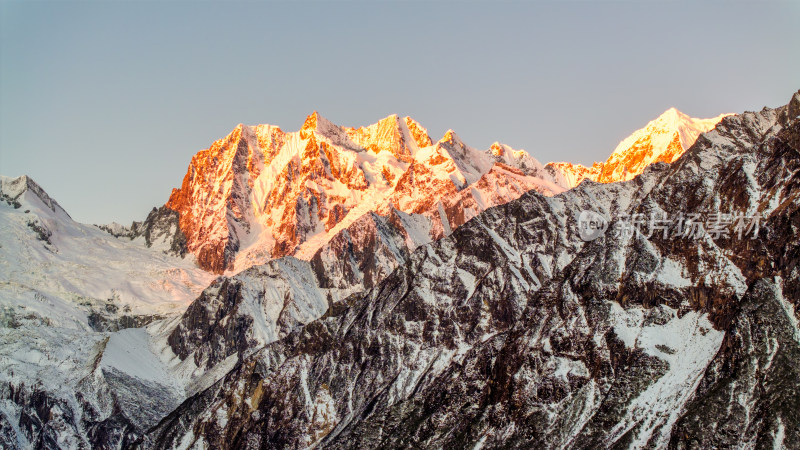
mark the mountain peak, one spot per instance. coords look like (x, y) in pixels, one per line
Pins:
(672, 111)
(386, 134)
(13, 190)
(418, 132)
(663, 139)
(450, 137)
(311, 121)
(390, 122)
(671, 119)
(497, 149)
(794, 105)
(315, 122)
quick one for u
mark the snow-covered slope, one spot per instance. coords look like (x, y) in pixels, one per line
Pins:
(571, 174)
(262, 193)
(64, 288)
(661, 140)
(68, 274)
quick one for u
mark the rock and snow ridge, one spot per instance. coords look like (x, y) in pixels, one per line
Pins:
(262, 193)
(663, 139)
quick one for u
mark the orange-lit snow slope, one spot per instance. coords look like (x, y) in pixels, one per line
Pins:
(662, 140)
(262, 193)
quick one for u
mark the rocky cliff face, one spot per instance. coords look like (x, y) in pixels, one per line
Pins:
(160, 230)
(512, 331)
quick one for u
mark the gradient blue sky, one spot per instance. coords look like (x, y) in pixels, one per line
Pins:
(105, 103)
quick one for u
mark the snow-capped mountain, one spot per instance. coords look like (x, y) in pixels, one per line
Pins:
(361, 307)
(662, 140)
(262, 193)
(513, 331)
(112, 277)
(412, 192)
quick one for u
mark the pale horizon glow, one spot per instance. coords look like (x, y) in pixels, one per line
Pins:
(104, 103)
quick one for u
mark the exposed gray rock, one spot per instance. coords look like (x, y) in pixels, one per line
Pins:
(161, 228)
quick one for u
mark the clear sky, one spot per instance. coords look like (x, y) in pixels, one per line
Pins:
(105, 103)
